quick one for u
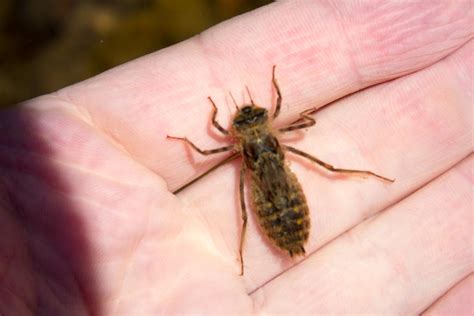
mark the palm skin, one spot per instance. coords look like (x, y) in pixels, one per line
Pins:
(90, 226)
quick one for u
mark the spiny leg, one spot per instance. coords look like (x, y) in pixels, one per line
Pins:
(363, 173)
(214, 120)
(307, 121)
(203, 151)
(226, 160)
(279, 98)
(244, 217)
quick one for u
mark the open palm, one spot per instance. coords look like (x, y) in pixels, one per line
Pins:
(89, 223)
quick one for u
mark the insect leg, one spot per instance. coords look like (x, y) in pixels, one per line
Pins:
(226, 160)
(203, 151)
(279, 99)
(244, 217)
(214, 120)
(363, 173)
(304, 122)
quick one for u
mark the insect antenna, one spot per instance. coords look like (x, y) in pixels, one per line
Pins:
(250, 96)
(235, 103)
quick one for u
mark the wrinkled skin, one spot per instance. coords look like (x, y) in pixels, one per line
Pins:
(90, 226)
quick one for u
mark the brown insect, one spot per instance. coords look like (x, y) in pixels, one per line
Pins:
(277, 196)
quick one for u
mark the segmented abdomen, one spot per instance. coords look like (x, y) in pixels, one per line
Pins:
(280, 204)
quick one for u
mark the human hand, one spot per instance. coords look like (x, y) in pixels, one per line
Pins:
(89, 223)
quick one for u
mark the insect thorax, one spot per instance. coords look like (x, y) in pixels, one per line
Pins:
(259, 148)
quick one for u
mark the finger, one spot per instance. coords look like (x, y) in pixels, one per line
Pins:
(412, 129)
(397, 263)
(457, 301)
(322, 53)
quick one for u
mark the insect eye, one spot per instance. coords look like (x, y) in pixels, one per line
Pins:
(260, 114)
(247, 109)
(239, 121)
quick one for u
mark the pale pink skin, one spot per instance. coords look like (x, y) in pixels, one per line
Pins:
(89, 224)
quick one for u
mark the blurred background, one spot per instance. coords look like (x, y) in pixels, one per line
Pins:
(48, 44)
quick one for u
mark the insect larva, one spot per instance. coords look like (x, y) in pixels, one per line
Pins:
(277, 197)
